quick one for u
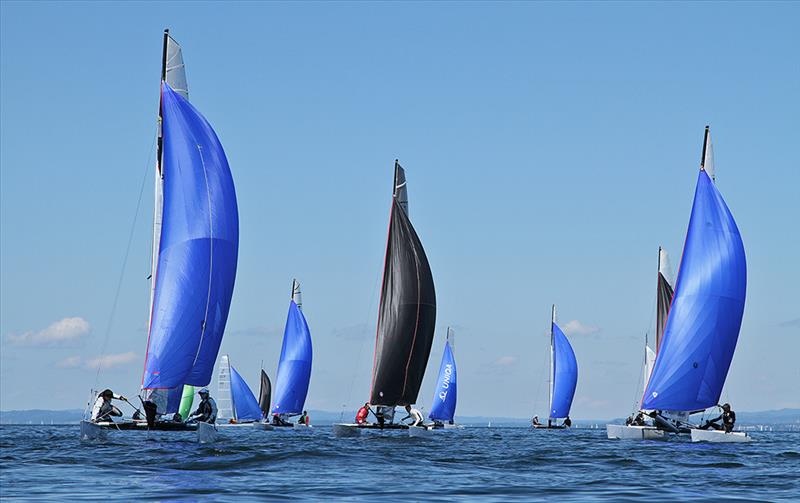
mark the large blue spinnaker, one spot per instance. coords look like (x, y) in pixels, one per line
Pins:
(565, 374)
(444, 402)
(706, 314)
(197, 252)
(244, 402)
(294, 368)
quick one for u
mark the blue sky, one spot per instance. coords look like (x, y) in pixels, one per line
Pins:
(550, 148)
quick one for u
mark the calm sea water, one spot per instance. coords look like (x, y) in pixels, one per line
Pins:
(497, 464)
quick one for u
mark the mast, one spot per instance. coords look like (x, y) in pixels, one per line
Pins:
(707, 158)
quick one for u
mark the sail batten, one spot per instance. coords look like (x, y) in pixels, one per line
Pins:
(706, 313)
(407, 312)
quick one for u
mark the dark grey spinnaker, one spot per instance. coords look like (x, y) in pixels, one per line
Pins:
(407, 313)
(264, 394)
(665, 293)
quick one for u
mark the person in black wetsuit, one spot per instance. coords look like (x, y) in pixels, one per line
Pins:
(206, 410)
(728, 418)
(567, 422)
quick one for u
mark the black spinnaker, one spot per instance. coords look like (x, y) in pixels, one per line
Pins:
(264, 394)
(407, 313)
(665, 293)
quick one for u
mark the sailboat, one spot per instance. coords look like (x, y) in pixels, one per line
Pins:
(664, 293)
(236, 401)
(705, 317)
(563, 376)
(443, 410)
(406, 319)
(195, 250)
(294, 367)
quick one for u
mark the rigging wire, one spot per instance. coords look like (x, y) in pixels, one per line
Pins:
(131, 233)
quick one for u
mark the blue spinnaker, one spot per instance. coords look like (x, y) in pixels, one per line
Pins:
(444, 402)
(197, 251)
(244, 402)
(294, 368)
(565, 375)
(706, 313)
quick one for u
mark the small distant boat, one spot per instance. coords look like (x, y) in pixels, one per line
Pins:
(236, 402)
(294, 367)
(195, 249)
(705, 317)
(406, 319)
(444, 400)
(563, 376)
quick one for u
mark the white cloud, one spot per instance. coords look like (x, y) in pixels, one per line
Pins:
(109, 361)
(69, 362)
(505, 361)
(65, 330)
(575, 327)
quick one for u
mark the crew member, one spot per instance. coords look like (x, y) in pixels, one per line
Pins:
(535, 421)
(303, 418)
(567, 422)
(206, 410)
(103, 409)
(728, 418)
(361, 415)
(415, 416)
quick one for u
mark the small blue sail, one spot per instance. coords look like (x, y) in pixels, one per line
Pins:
(444, 402)
(706, 314)
(294, 368)
(565, 375)
(244, 402)
(197, 252)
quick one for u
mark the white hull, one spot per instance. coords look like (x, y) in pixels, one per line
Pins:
(720, 436)
(346, 430)
(623, 432)
(206, 433)
(91, 431)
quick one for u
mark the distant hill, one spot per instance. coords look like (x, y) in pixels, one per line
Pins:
(321, 417)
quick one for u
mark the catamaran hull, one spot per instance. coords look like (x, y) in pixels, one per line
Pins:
(91, 431)
(719, 436)
(545, 427)
(142, 426)
(206, 433)
(622, 432)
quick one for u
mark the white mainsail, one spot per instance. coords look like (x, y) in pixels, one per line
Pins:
(224, 398)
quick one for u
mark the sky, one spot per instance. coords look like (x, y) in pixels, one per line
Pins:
(550, 149)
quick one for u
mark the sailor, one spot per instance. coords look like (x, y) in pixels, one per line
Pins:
(361, 415)
(103, 409)
(303, 418)
(415, 416)
(567, 422)
(207, 409)
(728, 418)
(278, 420)
(639, 419)
(384, 414)
(535, 421)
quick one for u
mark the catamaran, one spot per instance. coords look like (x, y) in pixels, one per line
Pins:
(705, 317)
(195, 250)
(406, 319)
(563, 377)
(237, 403)
(443, 410)
(294, 367)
